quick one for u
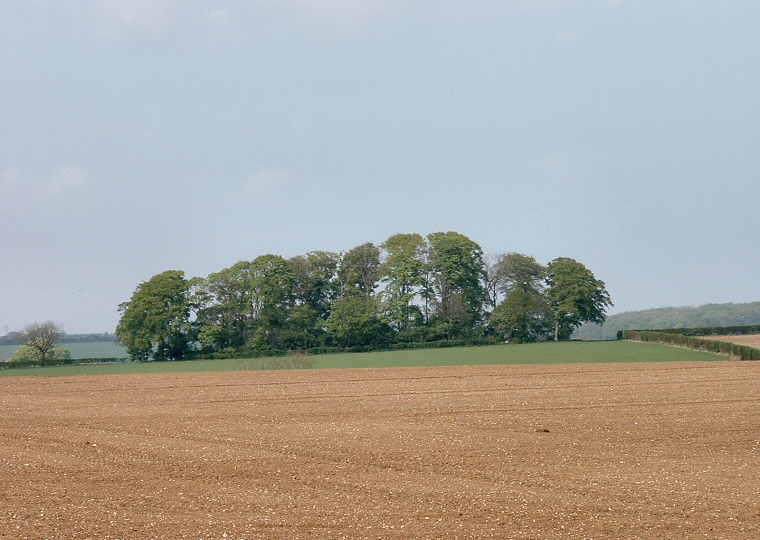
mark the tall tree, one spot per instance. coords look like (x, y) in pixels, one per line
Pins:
(574, 296)
(42, 337)
(459, 277)
(155, 322)
(359, 271)
(403, 275)
(226, 311)
(272, 293)
(316, 287)
(521, 316)
(316, 283)
(518, 271)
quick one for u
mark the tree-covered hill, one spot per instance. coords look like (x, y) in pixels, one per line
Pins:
(708, 315)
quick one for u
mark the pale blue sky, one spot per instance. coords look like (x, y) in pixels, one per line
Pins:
(142, 136)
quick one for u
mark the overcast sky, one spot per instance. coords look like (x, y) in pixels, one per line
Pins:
(138, 136)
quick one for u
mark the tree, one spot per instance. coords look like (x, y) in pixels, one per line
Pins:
(27, 353)
(315, 289)
(272, 293)
(316, 282)
(521, 317)
(574, 296)
(403, 275)
(359, 271)
(355, 322)
(518, 271)
(155, 324)
(42, 337)
(225, 307)
(459, 277)
(511, 271)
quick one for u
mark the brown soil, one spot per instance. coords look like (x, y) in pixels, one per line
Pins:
(582, 451)
(753, 340)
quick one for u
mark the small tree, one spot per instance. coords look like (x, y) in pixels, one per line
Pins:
(42, 337)
(28, 354)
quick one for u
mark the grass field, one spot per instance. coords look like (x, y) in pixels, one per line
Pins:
(537, 353)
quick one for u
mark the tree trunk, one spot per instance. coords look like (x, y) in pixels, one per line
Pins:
(556, 330)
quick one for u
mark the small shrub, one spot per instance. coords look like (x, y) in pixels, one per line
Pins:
(294, 360)
(29, 355)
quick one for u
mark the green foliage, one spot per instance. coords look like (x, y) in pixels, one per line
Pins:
(224, 303)
(574, 296)
(272, 295)
(713, 331)
(12, 338)
(359, 271)
(42, 337)
(403, 274)
(520, 272)
(355, 321)
(316, 284)
(522, 317)
(155, 323)
(31, 355)
(89, 338)
(411, 289)
(692, 341)
(458, 279)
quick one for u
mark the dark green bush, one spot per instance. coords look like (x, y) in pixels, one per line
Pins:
(696, 341)
(66, 362)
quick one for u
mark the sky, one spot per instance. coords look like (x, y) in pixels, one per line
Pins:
(138, 136)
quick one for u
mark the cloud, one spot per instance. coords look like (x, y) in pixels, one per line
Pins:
(19, 188)
(560, 165)
(10, 183)
(65, 179)
(264, 181)
(342, 15)
(116, 19)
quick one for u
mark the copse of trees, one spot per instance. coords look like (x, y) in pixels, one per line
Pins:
(409, 289)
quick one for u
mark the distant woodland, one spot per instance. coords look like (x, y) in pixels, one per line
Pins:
(15, 338)
(708, 315)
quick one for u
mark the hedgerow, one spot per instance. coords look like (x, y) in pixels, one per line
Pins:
(693, 338)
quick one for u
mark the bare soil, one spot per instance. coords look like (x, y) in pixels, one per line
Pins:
(753, 340)
(555, 451)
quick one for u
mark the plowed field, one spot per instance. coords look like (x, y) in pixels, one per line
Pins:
(753, 340)
(562, 451)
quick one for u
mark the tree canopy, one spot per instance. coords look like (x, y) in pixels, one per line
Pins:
(155, 323)
(410, 288)
(574, 296)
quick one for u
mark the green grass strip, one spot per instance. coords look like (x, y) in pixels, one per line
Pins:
(535, 353)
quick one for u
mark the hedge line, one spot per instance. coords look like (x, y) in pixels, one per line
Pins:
(267, 353)
(694, 341)
(66, 362)
(706, 331)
